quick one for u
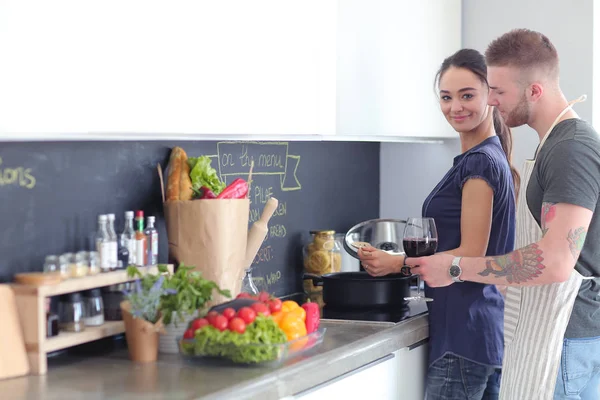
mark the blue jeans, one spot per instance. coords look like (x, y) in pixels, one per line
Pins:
(579, 371)
(456, 378)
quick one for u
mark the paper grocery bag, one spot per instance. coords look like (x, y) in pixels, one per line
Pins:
(211, 235)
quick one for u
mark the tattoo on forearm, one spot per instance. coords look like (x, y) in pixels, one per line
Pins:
(548, 214)
(517, 267)
(576, 239)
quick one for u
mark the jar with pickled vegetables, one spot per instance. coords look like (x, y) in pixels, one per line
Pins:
(322, 255)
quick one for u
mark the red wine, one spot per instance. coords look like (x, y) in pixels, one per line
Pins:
(419, 247)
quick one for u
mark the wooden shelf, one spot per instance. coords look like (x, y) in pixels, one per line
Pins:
(32, 314)
(80, 284)
(91, 333)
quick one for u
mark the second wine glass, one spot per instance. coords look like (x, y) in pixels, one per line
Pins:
(420, 240)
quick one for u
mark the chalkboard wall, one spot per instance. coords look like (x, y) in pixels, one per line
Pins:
(52, 192)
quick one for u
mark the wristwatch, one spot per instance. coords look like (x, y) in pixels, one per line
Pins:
(455, 270)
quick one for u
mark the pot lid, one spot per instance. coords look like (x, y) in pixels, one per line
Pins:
(383, 234)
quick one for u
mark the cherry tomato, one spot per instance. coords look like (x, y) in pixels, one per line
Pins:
(264, 297)
(247, 314)
(243, 295)
(220, 322)
(210, 317)
(189, 334)
(275, 305)
(199, 323)
(261, 308)
(229, 313)
(237, 325)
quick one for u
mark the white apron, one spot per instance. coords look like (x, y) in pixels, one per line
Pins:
(535, 317)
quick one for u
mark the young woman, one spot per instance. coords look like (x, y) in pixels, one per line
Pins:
(474, 210)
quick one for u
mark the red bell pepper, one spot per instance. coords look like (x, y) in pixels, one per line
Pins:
(204, 193)
(313, 316)
(238, 189)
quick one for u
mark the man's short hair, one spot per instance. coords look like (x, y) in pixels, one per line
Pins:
(524, 49)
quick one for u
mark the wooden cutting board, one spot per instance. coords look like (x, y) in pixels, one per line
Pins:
(13, 357)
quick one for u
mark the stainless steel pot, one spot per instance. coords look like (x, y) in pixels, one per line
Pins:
(383, 234)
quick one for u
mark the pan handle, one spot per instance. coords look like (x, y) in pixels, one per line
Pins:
(317, 279)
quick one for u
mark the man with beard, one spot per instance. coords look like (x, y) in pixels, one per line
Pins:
(552, 309)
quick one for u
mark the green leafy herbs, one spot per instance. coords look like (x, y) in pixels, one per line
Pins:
(259, 343)
(202, 174)
(184, 291)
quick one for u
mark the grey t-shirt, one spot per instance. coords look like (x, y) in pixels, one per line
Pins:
(568, 171)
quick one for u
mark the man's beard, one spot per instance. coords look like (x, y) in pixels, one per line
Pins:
(519, 115)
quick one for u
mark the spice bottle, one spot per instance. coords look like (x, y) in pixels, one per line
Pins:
(152, 242)
(71, 313)
(128, 237)
(141, 249)
(113, 244)
(103, 244)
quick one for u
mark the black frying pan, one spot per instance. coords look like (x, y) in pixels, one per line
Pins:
(361, 290)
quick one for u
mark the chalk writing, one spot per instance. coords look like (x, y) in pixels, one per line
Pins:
(261, 194)
(19, 176)
(264, 254)
(273, 277)
(277, 231)
(270, 158)
(281, 209)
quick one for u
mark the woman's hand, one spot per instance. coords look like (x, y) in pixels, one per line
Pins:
(379, 263)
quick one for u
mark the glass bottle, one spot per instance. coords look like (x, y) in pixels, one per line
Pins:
(140, 240)
(51, 320)
(152, 242)
(128, 237)
(123, 254)
(103, 244)
(114, 247)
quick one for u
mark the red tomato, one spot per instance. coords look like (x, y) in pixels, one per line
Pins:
(210, 317)
(237, 325)
(247, 314)
(275, 305)
(261, 308)
(229, 313)
(243, 295)
(220, 322)
(189, 334)
(264, 297)
(199, 323)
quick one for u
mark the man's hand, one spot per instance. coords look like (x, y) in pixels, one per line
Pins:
(434, 270)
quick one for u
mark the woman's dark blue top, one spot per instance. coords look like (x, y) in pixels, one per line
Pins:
(466, 319)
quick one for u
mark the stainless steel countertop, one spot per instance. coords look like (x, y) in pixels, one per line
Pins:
(347, 345)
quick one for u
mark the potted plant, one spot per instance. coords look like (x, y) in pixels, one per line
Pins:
(142, 317)
(186, 293)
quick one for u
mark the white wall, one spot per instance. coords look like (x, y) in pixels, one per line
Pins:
(410, 171)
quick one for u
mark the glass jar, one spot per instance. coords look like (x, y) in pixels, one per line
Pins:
(71, 312)
(65, 262)
(82, 264)
(94, 263)
(322, 255)
(94, 308)
(51, 264)
(51, 319)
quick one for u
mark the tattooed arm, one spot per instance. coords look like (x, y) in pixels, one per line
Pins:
(550, 260)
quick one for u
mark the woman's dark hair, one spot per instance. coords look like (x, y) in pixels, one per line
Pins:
(474, 61)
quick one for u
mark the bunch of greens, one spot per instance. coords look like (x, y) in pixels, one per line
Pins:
(146, 297)
(185, 291)
(202, 174)
(259, 343)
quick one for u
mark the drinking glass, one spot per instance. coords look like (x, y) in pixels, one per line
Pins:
(420, 239)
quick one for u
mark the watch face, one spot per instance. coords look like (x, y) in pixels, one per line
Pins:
(454, 271)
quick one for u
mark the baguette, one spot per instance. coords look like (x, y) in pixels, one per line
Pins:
(179, 183)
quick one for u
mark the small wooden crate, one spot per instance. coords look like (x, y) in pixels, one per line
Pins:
(32, 314)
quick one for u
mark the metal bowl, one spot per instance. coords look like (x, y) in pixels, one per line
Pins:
(383, 234)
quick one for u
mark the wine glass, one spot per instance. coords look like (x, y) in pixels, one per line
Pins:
(420, 239)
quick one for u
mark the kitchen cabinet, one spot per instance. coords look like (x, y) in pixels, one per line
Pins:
(347, 69)
(400, 375)
(388, 54)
